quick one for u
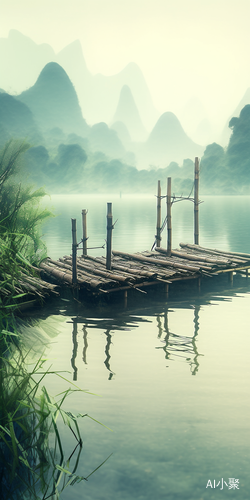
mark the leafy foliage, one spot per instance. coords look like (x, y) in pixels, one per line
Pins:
(228, 171)
(32, 458)
(21, 217)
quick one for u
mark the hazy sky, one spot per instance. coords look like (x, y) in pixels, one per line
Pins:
(185, 48)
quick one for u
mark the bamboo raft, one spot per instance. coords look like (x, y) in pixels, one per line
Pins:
(27, 289)
(121, 271)
(140, 270)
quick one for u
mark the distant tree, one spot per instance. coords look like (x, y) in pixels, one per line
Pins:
(212, 167)
(71, 156)
(233, 122)
(102, 138)
(20, 214)
(238, 151)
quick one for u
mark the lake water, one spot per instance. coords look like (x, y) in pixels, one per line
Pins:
(171, 378)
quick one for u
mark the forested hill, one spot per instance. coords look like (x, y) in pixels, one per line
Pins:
(227, 171)
(68, 155)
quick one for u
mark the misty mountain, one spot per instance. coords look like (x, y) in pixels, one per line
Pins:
(70, 156)
(225, 137)
(106, 91)
(203, 132)
(17, 121)
(102, 138)
(53, 101)
(54, 172)
(238, 150)
(213, 170)
(127, 113)
(122, 132)
(228, 170)
(97, 173)
(168, 142)
(194, 118)
(22, 60)
(99, 94)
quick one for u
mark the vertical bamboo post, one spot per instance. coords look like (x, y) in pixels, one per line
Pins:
(158, 224)
(109, 235)
(74, 252)
(169, 218)
(74, 352)
(196, 202)
(84, 232)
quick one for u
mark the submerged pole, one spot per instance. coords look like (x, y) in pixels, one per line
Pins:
(84, 232)
(158, 224)
(169, 218)
(196, 201)
(74, 252)
(109, 235)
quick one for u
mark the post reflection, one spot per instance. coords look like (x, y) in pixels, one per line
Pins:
(180, 345)
(174, 345)
(108, 357)
(74, 351)
(85, 345)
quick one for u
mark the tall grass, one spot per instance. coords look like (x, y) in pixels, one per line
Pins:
(33, 463)
(21, 246)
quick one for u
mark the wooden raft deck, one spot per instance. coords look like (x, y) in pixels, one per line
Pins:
(140, 270)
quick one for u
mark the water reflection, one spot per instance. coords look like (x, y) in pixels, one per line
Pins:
(180, 345)
(119, 323)
(147, 401)
(108, 357)
(74, 352)
(85, 343)
(175, 345)
(32, 450)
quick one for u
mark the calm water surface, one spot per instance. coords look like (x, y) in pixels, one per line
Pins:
(172, 377)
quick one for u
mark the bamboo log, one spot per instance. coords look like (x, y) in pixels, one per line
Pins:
(84, 275)
(64, 275)
(189, 256)
(61, 275)
(99, 272)
(125, 267)
(88, 275)
(165, 262)
(226, 255)
(141, 267)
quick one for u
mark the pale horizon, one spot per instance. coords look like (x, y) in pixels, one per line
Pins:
(194, 50)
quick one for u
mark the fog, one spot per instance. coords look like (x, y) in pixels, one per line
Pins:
(184, 49)
(151, 84)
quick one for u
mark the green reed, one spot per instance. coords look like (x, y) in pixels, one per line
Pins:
(21, 217)
(33, 463)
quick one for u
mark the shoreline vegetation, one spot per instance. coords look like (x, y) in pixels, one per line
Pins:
(21, 247)
(33, 462)
(68, 155)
